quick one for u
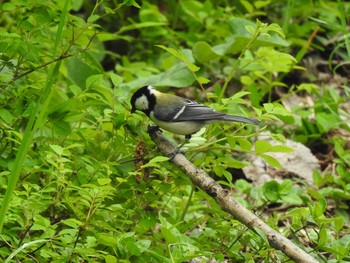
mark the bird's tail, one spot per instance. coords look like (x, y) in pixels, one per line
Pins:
(241, 119)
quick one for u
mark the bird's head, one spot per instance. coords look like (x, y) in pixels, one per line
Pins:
(143, 100)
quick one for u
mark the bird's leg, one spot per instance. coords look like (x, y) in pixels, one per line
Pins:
(153, 128)
(187, 138)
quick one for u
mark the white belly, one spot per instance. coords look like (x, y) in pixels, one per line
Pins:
(182, 128)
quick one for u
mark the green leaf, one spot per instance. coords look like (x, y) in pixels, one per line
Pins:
(8, 7)
(277, 109)
(326, 121)
(320, 208)
(107, 240)
(168, 235)
(116, 80)
(194, 9)
(322, 237)
(292, 198)
(57, 149)
(94, 80)
(80, 70)
(72, 222)
(132, 247)
(6, 116)
(262, 146)
(245, 144)
(61, 127)
(182, 57)
(271, 191)
(271, 160)
(41, 223)
(203, 52)
(281, 148)
(155, 161)
(110, 259)
(93, 18)
(243, 32)
(338, 223)
(285, 187)
(203, 80)
(104, 181)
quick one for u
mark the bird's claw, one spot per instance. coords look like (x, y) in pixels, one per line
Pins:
(153, 128)
(174, 153)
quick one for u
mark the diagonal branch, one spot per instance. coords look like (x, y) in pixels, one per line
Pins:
(224, 198)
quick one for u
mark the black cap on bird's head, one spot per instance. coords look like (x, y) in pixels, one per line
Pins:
(143, 100)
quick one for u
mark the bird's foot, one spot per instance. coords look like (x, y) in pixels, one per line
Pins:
(178, 151)
(153, 128)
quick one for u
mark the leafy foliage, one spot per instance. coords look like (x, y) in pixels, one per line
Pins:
(80, 180)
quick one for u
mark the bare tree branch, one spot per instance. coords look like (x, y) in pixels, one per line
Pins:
(224, 198)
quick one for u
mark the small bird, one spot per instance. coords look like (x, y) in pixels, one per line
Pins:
(176, 114)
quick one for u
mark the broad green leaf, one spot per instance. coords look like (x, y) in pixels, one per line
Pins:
(104, 181)
(242, 33)
(110, 259)
(243, 185)
(93, 18)
(78, 71)
(339, 223)
(285, 187)
(155, 161)
(144, 245)
(248, 6)
(57, 149)
(292, 198)
(182, 57)
(233, 163)
(262, 146)
(6, 116)
(107, 240)
(271, 191)
(325, 121)
(281, 148)
(227, 175)
(271, 160)
(232, 141)
(245, 144)
(8, 7)
(203, 52)
(309, 87)
(322, 236)
(320, 208)
(132, 247)
(116, 80)
(268, 107)
(275, 108)
(94, 80)
(203, 80)
(72, 222)
(41, 223)
(168, 235)
(61, 127)
(193, 9)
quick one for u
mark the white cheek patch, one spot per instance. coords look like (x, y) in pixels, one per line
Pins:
(141, 103)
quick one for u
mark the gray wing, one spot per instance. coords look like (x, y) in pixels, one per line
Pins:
(190, 111)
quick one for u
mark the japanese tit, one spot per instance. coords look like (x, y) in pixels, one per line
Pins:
(176, 114)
